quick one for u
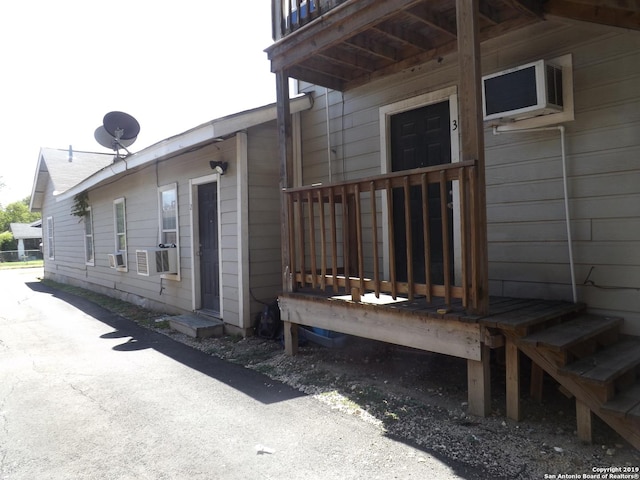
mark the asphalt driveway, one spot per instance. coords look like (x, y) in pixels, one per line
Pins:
(85, 394)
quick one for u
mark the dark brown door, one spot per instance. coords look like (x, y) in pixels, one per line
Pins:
(420, 138)
(209, 254)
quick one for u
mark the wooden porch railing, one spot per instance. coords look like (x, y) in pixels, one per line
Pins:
(336, 234)
(289, 15)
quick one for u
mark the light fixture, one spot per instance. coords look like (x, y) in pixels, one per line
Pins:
(219, 167)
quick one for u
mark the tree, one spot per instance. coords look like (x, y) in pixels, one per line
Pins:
(17, 212)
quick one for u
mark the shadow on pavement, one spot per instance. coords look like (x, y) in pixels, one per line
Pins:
(249, 382)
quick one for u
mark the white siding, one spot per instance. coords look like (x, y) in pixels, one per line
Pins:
(528, 250)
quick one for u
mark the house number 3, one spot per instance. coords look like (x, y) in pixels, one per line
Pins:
(454, 123)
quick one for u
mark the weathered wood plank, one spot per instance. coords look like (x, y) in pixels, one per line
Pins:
(472, 144)
(513, 380)
(606, 365)
(572, 332)
(479, 384)
(537, 312)
(624, 402)
(400, 327)
(583, 421)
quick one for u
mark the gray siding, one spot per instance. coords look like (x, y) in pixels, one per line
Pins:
(528, 250)
(140, 190)
(264, 216)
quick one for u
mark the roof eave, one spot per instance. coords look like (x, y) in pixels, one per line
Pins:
(207, 132)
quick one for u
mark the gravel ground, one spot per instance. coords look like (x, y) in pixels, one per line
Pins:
(420, 398)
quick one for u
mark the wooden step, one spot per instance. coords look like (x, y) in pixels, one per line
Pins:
(626, 403)
(565, 335)
(606, 365)
(528, 315)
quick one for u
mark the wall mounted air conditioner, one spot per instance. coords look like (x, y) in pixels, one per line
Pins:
(522, 92)
(156, 261)
(116, 260)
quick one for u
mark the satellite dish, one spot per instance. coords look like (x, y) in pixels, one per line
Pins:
(118, 130)
(107, 140)
(121, 126)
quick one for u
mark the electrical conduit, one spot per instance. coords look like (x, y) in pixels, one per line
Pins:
(497, 131)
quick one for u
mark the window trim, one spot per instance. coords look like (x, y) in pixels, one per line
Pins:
(50, 241)
(161, 230)
(88, 238)
(118, 234)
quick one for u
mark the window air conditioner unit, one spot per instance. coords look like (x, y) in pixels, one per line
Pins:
(522, 92)
(157, 261)
(116, 260)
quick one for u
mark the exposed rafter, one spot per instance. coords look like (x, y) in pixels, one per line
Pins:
(351, 42)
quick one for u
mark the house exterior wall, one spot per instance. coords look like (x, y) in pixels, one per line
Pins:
(139, 188)
(264, 216)
(528, 250)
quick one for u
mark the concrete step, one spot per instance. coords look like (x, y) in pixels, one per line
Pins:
(197, 326)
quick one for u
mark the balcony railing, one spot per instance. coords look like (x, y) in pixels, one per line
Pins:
(289, 15)
(344, 237)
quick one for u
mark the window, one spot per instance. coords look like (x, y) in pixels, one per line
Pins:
(50, 237)
(168, 223)
(120, 220)
(168, 207)
(88, 237)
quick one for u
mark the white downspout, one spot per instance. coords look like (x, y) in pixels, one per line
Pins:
(497, 131)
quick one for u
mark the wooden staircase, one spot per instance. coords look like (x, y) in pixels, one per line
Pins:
(587, 356)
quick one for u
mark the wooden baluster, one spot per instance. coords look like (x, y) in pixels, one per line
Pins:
(392, 241)
(359, 237)
(334, 241)
(446, 253)
(323, 242)
(407, 233)
(312, 238)
(426, 233)
(345, 239)
(292, 238)
(300, 213)
(374, 236)
(473, 237)
(463, 185)
(298, 14)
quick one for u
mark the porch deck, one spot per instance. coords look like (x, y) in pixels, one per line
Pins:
(504, 312)
(433, 326)
(559, 337)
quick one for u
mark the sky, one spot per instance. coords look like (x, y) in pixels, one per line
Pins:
(171, 65)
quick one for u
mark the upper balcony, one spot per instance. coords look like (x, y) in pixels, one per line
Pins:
(341, 44)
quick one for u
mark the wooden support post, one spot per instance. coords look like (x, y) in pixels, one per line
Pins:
(479, 384)
(537, 381)
(286, 163)
(513, 380)
(472, 140)
(583, 419)
(290, 338)
(355, 294)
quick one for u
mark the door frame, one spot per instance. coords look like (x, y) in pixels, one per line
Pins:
(385, 113)
(196, 294)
